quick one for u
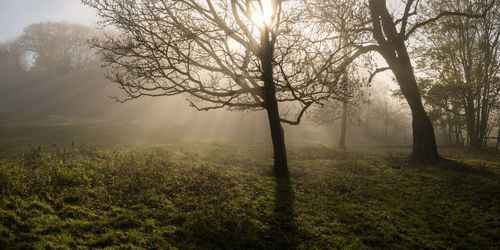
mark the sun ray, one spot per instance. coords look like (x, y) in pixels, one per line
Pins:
(263, 12)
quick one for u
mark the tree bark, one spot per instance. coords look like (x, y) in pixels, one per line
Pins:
(271, 105)
(449, 129)
(278, 138)
(393, 49)
(472, 130)
(498, 135)
(343, 126)
(424, 140)
(343, 123)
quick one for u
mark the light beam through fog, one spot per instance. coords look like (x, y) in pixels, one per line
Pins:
(216, 124)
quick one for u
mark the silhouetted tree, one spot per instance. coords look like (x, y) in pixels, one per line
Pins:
(237, 54)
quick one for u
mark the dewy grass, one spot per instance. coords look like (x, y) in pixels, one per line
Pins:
(222, 195)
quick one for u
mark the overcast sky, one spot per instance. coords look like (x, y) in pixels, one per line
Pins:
(17, 14)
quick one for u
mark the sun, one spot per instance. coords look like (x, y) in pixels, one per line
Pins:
(263, 12)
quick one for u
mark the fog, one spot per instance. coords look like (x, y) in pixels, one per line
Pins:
(85, 93)
(82, 91)
(37, 78)
(249, 124)
(63, 78)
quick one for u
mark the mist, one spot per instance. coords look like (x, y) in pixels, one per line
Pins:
(37, 84)
(249, 124)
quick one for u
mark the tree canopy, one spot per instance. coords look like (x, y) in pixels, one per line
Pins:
(211, 51)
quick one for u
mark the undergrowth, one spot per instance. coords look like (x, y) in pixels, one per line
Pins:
(222, 195)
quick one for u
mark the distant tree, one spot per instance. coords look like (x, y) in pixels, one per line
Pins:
(238, 54)
(55, 46)
(340, 19)
(11, 67)
(462, 55)
(387, 112)
(50, 68)
(384, 108)
(345, 109)
(11, 60)
(331, 111)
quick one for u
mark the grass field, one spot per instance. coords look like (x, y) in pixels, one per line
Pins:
(113, 192)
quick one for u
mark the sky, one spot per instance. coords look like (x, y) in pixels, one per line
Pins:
(17, 14)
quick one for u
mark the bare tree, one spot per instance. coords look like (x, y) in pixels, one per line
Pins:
(342, 20)
(235, 54)
(345, 109)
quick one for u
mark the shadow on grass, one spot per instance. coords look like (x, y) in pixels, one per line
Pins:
(467, 168)
(456, 166)
(284, 232)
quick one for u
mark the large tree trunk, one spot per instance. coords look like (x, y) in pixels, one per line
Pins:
(458, 136)
(278, 138)
(424, 140)
(271, 105)
(474, 141)
(343, 126)
(393, 48)
(449, 129)
(498, 135)
(343, 123)
(472, 131)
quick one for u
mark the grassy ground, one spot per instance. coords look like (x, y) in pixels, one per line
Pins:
(222, 195)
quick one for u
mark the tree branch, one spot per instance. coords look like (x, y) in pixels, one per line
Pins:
(445, 14)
